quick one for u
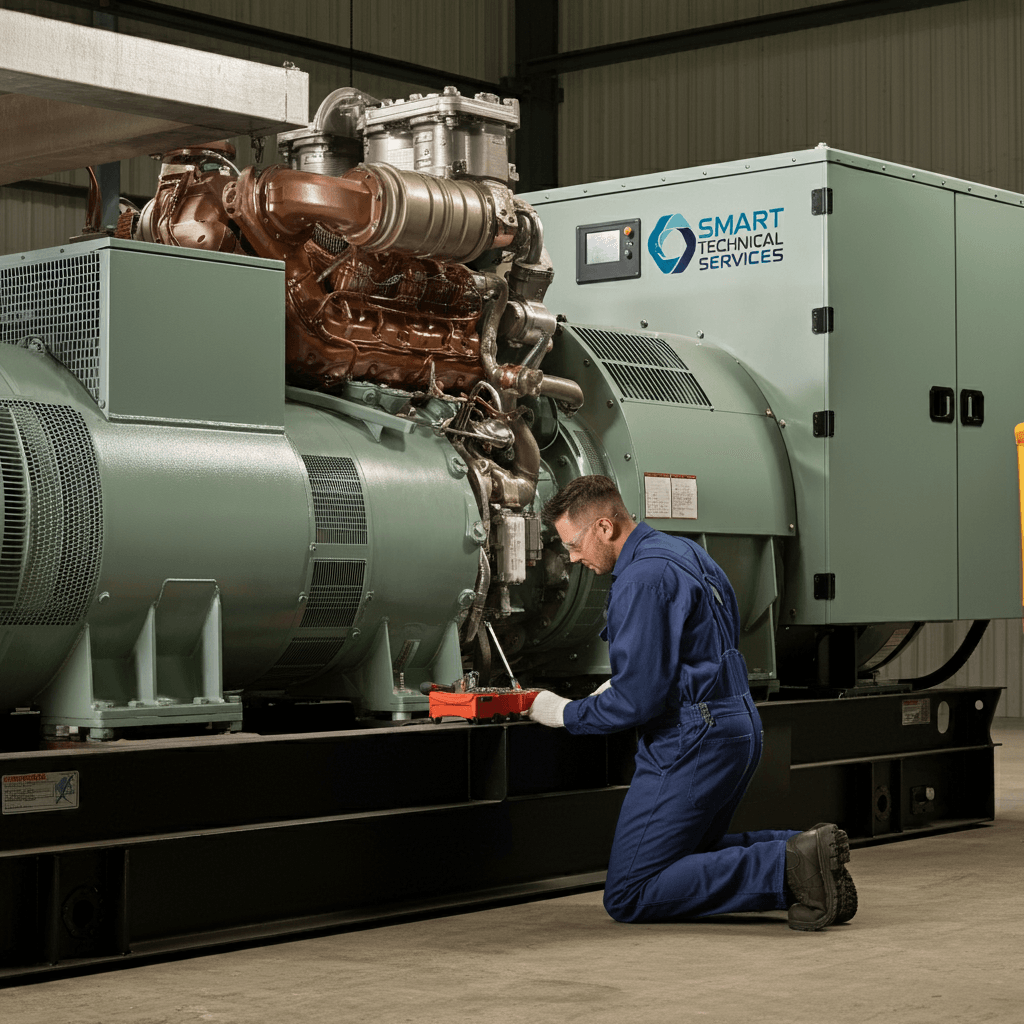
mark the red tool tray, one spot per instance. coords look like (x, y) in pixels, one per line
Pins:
(481, 705)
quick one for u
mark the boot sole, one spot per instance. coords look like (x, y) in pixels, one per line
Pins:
(847, 898)
(833, 853)
(846, 891)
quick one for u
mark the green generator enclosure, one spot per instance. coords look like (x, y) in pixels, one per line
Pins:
(876, 308)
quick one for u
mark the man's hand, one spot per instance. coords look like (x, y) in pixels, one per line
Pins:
(606, 685)
(547, 708)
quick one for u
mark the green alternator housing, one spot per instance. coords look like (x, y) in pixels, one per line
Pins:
(181, 531)
(664, 412)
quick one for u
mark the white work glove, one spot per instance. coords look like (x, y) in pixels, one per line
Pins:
(548, 708)
(606, 685)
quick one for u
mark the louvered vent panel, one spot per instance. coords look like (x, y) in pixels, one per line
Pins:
(15, 512)
(58, 301)
(334, 594)
(645, 368)
(654, 384)
(631, 348)
(305, 656)
(338, 507)
(65, 528)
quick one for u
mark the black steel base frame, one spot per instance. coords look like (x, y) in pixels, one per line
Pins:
(184, 845)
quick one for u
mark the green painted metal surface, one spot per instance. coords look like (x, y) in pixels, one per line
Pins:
(916, 519)
(215, 357)
(759, 314)
(420, 554)
(892, 471)
(990, 359)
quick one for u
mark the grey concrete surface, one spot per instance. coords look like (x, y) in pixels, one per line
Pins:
(939, 938)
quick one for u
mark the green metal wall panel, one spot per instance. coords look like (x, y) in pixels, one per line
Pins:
(186, 327)
(892, 471)
(757, 313)
(990, 359)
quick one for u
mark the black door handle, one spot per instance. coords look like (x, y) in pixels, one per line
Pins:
(942, 404)
(972, 408)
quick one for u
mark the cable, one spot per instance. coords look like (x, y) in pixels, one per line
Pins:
(957, 662)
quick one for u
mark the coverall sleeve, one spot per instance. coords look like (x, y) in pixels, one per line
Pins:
(645, 624)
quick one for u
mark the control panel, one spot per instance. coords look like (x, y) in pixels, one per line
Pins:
(607, 252)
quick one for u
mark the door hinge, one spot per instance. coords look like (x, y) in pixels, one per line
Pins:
(822, 320)
(821, 201)
(824, 423)
(824, 586)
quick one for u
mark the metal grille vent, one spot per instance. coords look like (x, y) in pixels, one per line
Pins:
(65, 516)
(305, 656)
(334, 594)
(658, 385)
(631, 348)
(15, 512)
(597, 463)
(338, 508)
(645, 368)
(59, 301)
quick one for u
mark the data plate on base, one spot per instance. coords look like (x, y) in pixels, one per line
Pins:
(39, 791)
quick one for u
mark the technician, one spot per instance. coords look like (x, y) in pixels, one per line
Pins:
(672, 631)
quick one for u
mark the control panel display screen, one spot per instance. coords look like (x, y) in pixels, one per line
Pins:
(603, 247)
(608, 251)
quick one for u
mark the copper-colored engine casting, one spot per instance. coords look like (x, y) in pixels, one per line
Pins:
(394, 319)
(351, 310)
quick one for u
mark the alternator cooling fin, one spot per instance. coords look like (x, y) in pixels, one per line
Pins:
(631, 348)
(303, 657)
(334, 594)
(594, 457)
(645, 368)
(63, 543)
(339, 510)
(15, 512)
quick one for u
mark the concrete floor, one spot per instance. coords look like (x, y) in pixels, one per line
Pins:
(939, 938)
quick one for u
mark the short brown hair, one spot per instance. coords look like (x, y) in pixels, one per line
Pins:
(586, 495)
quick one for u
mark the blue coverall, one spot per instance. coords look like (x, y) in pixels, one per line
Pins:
(673, 626)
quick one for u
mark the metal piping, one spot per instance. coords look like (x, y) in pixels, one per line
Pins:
(518, 486)
(563, 390)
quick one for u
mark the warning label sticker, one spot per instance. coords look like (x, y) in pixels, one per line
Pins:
(917, 712)
(39, 791)
(670, 496)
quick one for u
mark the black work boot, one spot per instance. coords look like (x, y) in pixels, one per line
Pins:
(846, 890)
(814, 863)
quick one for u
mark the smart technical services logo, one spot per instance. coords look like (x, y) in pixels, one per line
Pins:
(726, 242)
(667, 233)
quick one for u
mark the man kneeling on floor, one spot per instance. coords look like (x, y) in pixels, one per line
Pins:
(672, 630)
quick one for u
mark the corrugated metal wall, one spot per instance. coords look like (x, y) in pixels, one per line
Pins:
(940, 88)
(998, 660)
(467, 36)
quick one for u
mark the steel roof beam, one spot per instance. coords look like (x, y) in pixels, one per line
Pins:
(78, 95)
(816, 16)
(294, 46)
